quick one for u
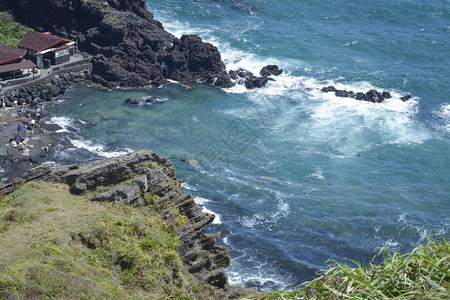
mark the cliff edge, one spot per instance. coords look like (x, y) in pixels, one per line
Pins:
(145, 180)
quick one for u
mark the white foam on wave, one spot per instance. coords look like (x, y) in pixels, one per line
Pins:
(97, 148)
(317, 174)
(267, 220)
(68, 125)
(202, 203)
(443, 114)
(349, 126)
(247, 268)
(186, 186)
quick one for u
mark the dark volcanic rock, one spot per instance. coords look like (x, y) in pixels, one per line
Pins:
(128, 46)
(328, 89)
(248, 79)
(271, 70)
(405, 98)
(386, 95)
(371, 96)
(374, 96)
(345, 94)
(191, 59)
(132, 101)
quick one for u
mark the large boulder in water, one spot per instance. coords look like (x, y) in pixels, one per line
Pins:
(374, 96)
(132, 101)
(248, 79)
(271, 70)
(191, 59)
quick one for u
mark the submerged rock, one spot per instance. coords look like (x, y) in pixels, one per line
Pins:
(132, 101)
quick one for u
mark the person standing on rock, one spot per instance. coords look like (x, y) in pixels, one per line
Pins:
(32, 132)
(18, 129)
(46, 150)
(38, 116)
(3, 103)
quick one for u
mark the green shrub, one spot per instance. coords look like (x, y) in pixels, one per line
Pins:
(10, 32)
(422, 274)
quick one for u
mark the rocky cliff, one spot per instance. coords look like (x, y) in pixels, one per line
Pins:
(128, 46)
(144, 178)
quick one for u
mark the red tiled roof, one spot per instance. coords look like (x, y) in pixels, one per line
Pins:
(13, 67)
(10, 54)
(37, 41)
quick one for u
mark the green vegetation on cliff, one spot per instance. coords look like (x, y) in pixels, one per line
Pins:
(422, 274)
(57, 245)
(10, 32)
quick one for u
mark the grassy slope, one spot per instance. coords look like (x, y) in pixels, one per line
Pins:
(10, 32)
(422, 274)
(57, 245)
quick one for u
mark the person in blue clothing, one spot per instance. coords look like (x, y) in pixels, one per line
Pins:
(18, 128)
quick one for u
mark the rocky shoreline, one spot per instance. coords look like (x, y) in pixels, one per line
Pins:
(140, 175)
(128, 48)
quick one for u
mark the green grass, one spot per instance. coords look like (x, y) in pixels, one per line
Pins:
(10, 32)
(422, 274)
(57, 245)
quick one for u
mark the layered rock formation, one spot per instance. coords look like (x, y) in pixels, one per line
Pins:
(128, 46)
(134, 179)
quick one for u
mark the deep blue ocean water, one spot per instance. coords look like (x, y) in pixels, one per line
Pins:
(295, 176)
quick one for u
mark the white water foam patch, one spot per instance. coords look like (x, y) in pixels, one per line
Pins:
(202, 203)
(249, 268)
(267, 220)
(98, 149)
(317, 174)
(443, 115)
(235, 59)
(349, 126)
(186, 186)
(68, 125)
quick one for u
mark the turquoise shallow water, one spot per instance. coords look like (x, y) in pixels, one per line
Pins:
(294, 176)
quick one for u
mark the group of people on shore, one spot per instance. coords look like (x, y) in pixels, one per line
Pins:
(27, 128)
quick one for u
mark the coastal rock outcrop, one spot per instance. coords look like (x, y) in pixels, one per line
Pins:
(135, 178)
(271, 70)
(370, 96)
(251, 81)
(128, 46)
(191, 59)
